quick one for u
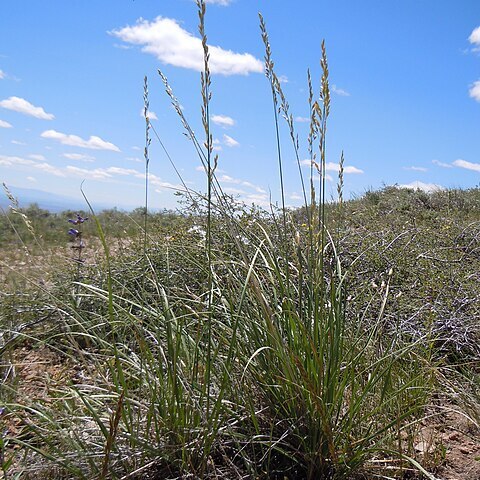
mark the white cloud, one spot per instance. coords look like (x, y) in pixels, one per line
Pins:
(254, 187)
(171, 44)
(351, 169)
(415, 169)
(2, 75)
(302, 119)
(169, 186)
(31, 179)
(134, 159)
(426, 187)
(110, 172)
(283, 79)
(4, 124)
(442, 164)
(136, 148)
(151, 115)
(122, 47)
(474, 91)
(328, 177)
(295, 196)
(95, 174)
(216, 145)
(101, 174)
(121, 171)
(223, 121)
(234, 191)
(228, 179)
(340, 91)
(335, 167)
(47, 168)
(94, 143)
(258, 199)
(475, 36)
(229, 141)
(35, 156)
(79, 156)
(17, 142)
(468, 165)
(237, 181)
(8, 161)
(21, 105)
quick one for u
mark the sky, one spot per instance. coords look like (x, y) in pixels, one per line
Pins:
(404, 80)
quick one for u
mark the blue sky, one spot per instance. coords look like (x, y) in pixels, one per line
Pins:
(405, 81)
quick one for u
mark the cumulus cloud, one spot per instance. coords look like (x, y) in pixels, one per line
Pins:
(223, 121)
(4, 124)
(415, 169)
(441, 164)
(35, 156)
(234, 191)
(101, 174)
(79, 156)
(216, 145)
(258, 199)
(351, 169)
(9, 161)
(254, 187)
(151, 115)
(121, 171)
(237, 181)
(94, 174)
(229, 141)
(474, 39)
(21, 105)
(47, 168)
(467, 165)
(426, 187)
(340, 91)
(169, 186)
(94, 142)
(475, 36)
(172, 45)
(474, 91)
(334, 167)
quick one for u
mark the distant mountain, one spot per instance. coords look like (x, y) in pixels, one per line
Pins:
(46, 200)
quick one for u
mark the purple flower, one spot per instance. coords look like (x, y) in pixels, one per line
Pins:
(78, 220)
(74, 232)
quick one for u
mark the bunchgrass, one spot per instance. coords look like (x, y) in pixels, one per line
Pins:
(237, 343)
